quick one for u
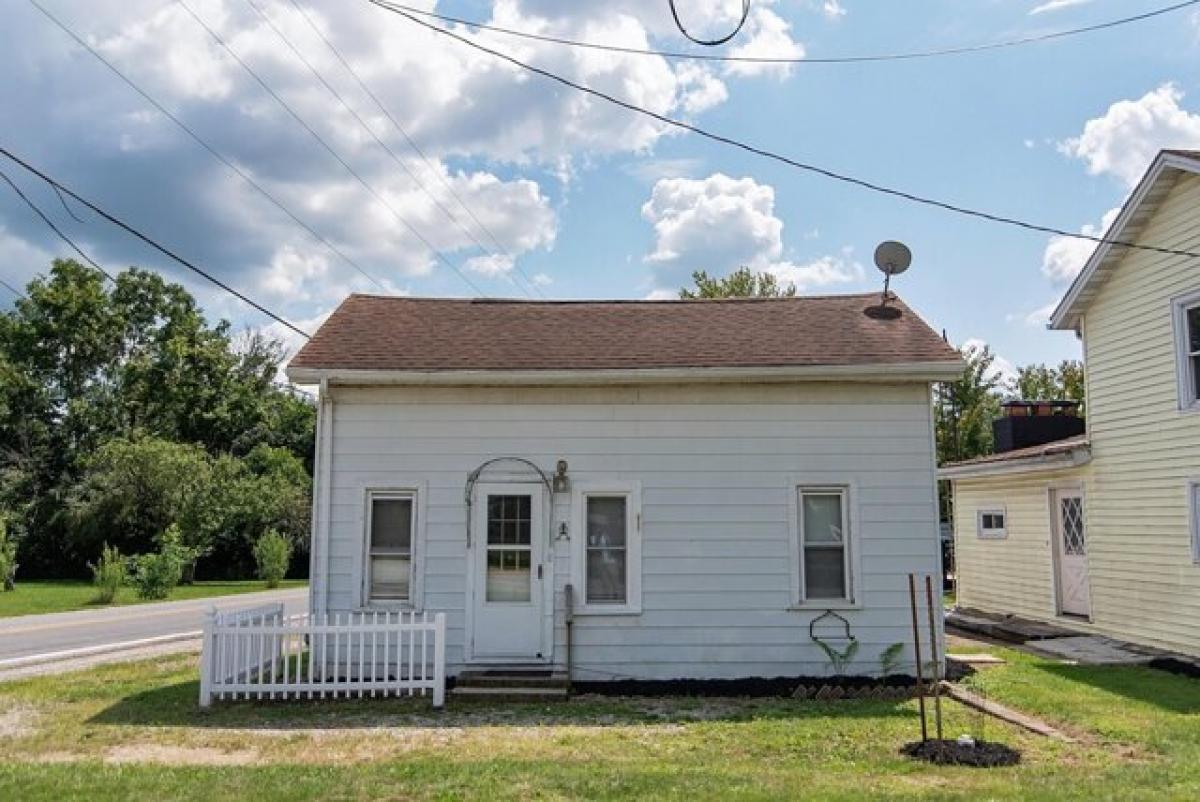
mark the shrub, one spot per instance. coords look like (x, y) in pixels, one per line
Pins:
(156, 575)
(272, 552)
(8, 555)
(108, 574)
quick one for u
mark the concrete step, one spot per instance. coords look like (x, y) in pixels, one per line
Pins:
(510, 693)
(511, 679)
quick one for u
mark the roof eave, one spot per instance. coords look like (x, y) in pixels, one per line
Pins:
(1067, 314)
(1076, 457)
(946, 370)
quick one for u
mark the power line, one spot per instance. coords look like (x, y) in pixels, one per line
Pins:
(363, 124)
(151, 242)
(13, 290)
(216, 154)
(53, 227)
(862, 59)
(321, 141)
(709, 42)
(412, 143)
(805, 166)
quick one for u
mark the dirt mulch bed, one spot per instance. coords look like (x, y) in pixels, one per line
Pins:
(822, 688)
(979, 754)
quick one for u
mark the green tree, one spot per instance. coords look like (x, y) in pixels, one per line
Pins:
(741, 283)
(83, 364)
(1042, 382)
(965, 408)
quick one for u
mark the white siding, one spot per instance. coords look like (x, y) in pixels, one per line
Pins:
(717, 465)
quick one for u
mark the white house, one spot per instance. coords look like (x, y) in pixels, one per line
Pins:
(1100, 532)
(699, 480)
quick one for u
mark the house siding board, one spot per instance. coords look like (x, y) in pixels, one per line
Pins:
(1145, 585)
(1013, 574)
(716, 464)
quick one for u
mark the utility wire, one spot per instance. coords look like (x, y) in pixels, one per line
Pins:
(149, 241)
(709, 42)
(365, 126)
(13, 290)
(329, 148)
(805, 166)
(412, 143)
(216, 154)
(53, 227)
(852, 59)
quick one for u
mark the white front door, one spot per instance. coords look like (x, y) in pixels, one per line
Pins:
(1071, 546)
(508, 531)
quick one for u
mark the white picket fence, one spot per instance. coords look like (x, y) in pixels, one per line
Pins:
(259, 653)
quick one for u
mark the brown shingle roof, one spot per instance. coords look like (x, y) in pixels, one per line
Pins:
(424, 334)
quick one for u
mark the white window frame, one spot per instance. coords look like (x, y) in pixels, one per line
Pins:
(1193, 487)
(991, 533)
(632, 493)
(1186, 380)
(852, 600)
(416, 561)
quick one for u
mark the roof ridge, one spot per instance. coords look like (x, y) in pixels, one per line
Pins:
(618, 301)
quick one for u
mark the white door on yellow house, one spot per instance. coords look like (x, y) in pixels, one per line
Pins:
(1071, 547)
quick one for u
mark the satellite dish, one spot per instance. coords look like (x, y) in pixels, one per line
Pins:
(892, 258)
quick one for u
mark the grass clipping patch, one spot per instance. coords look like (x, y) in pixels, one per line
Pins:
(978, 754)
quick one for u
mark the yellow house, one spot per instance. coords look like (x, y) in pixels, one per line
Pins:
(1101, 532)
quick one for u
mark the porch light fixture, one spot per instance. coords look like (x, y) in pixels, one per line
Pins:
(561, 483)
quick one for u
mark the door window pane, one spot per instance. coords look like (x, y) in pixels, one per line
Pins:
(606, 550)
(508, 575)
(509, 543)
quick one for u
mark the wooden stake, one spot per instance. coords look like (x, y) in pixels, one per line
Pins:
(912, 596)
(937, 696)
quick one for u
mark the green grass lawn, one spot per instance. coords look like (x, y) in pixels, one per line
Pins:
(133, 731)
(56, 596)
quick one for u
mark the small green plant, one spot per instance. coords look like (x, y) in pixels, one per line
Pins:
(839, 659)
(108, 574)
(156, 575)
(889, 659)
(8, 555)
(272, 552)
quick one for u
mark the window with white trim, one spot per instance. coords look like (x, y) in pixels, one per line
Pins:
(823, 529)
(991, 522)
(391, 535)
(607, 552)
(1187, 345)
(1194, 517)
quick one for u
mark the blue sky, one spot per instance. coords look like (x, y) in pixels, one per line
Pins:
(591, 201)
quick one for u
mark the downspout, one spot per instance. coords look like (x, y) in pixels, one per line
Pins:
(326, 492)
(315, 522)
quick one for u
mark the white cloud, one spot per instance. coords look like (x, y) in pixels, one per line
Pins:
(1125, 139)
(767, 35)
(1057, 5)
(728, 221)
(1002, 368)
(720, 223)
(662, 295)
(1038, 317)
(833, 9)
(1064, 257)
(492, 265)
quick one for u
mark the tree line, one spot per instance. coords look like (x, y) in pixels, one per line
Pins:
(125, 415)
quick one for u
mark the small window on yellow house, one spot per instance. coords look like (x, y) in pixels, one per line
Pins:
(992, 523)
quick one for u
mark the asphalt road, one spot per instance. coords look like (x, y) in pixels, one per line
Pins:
(26, 636)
